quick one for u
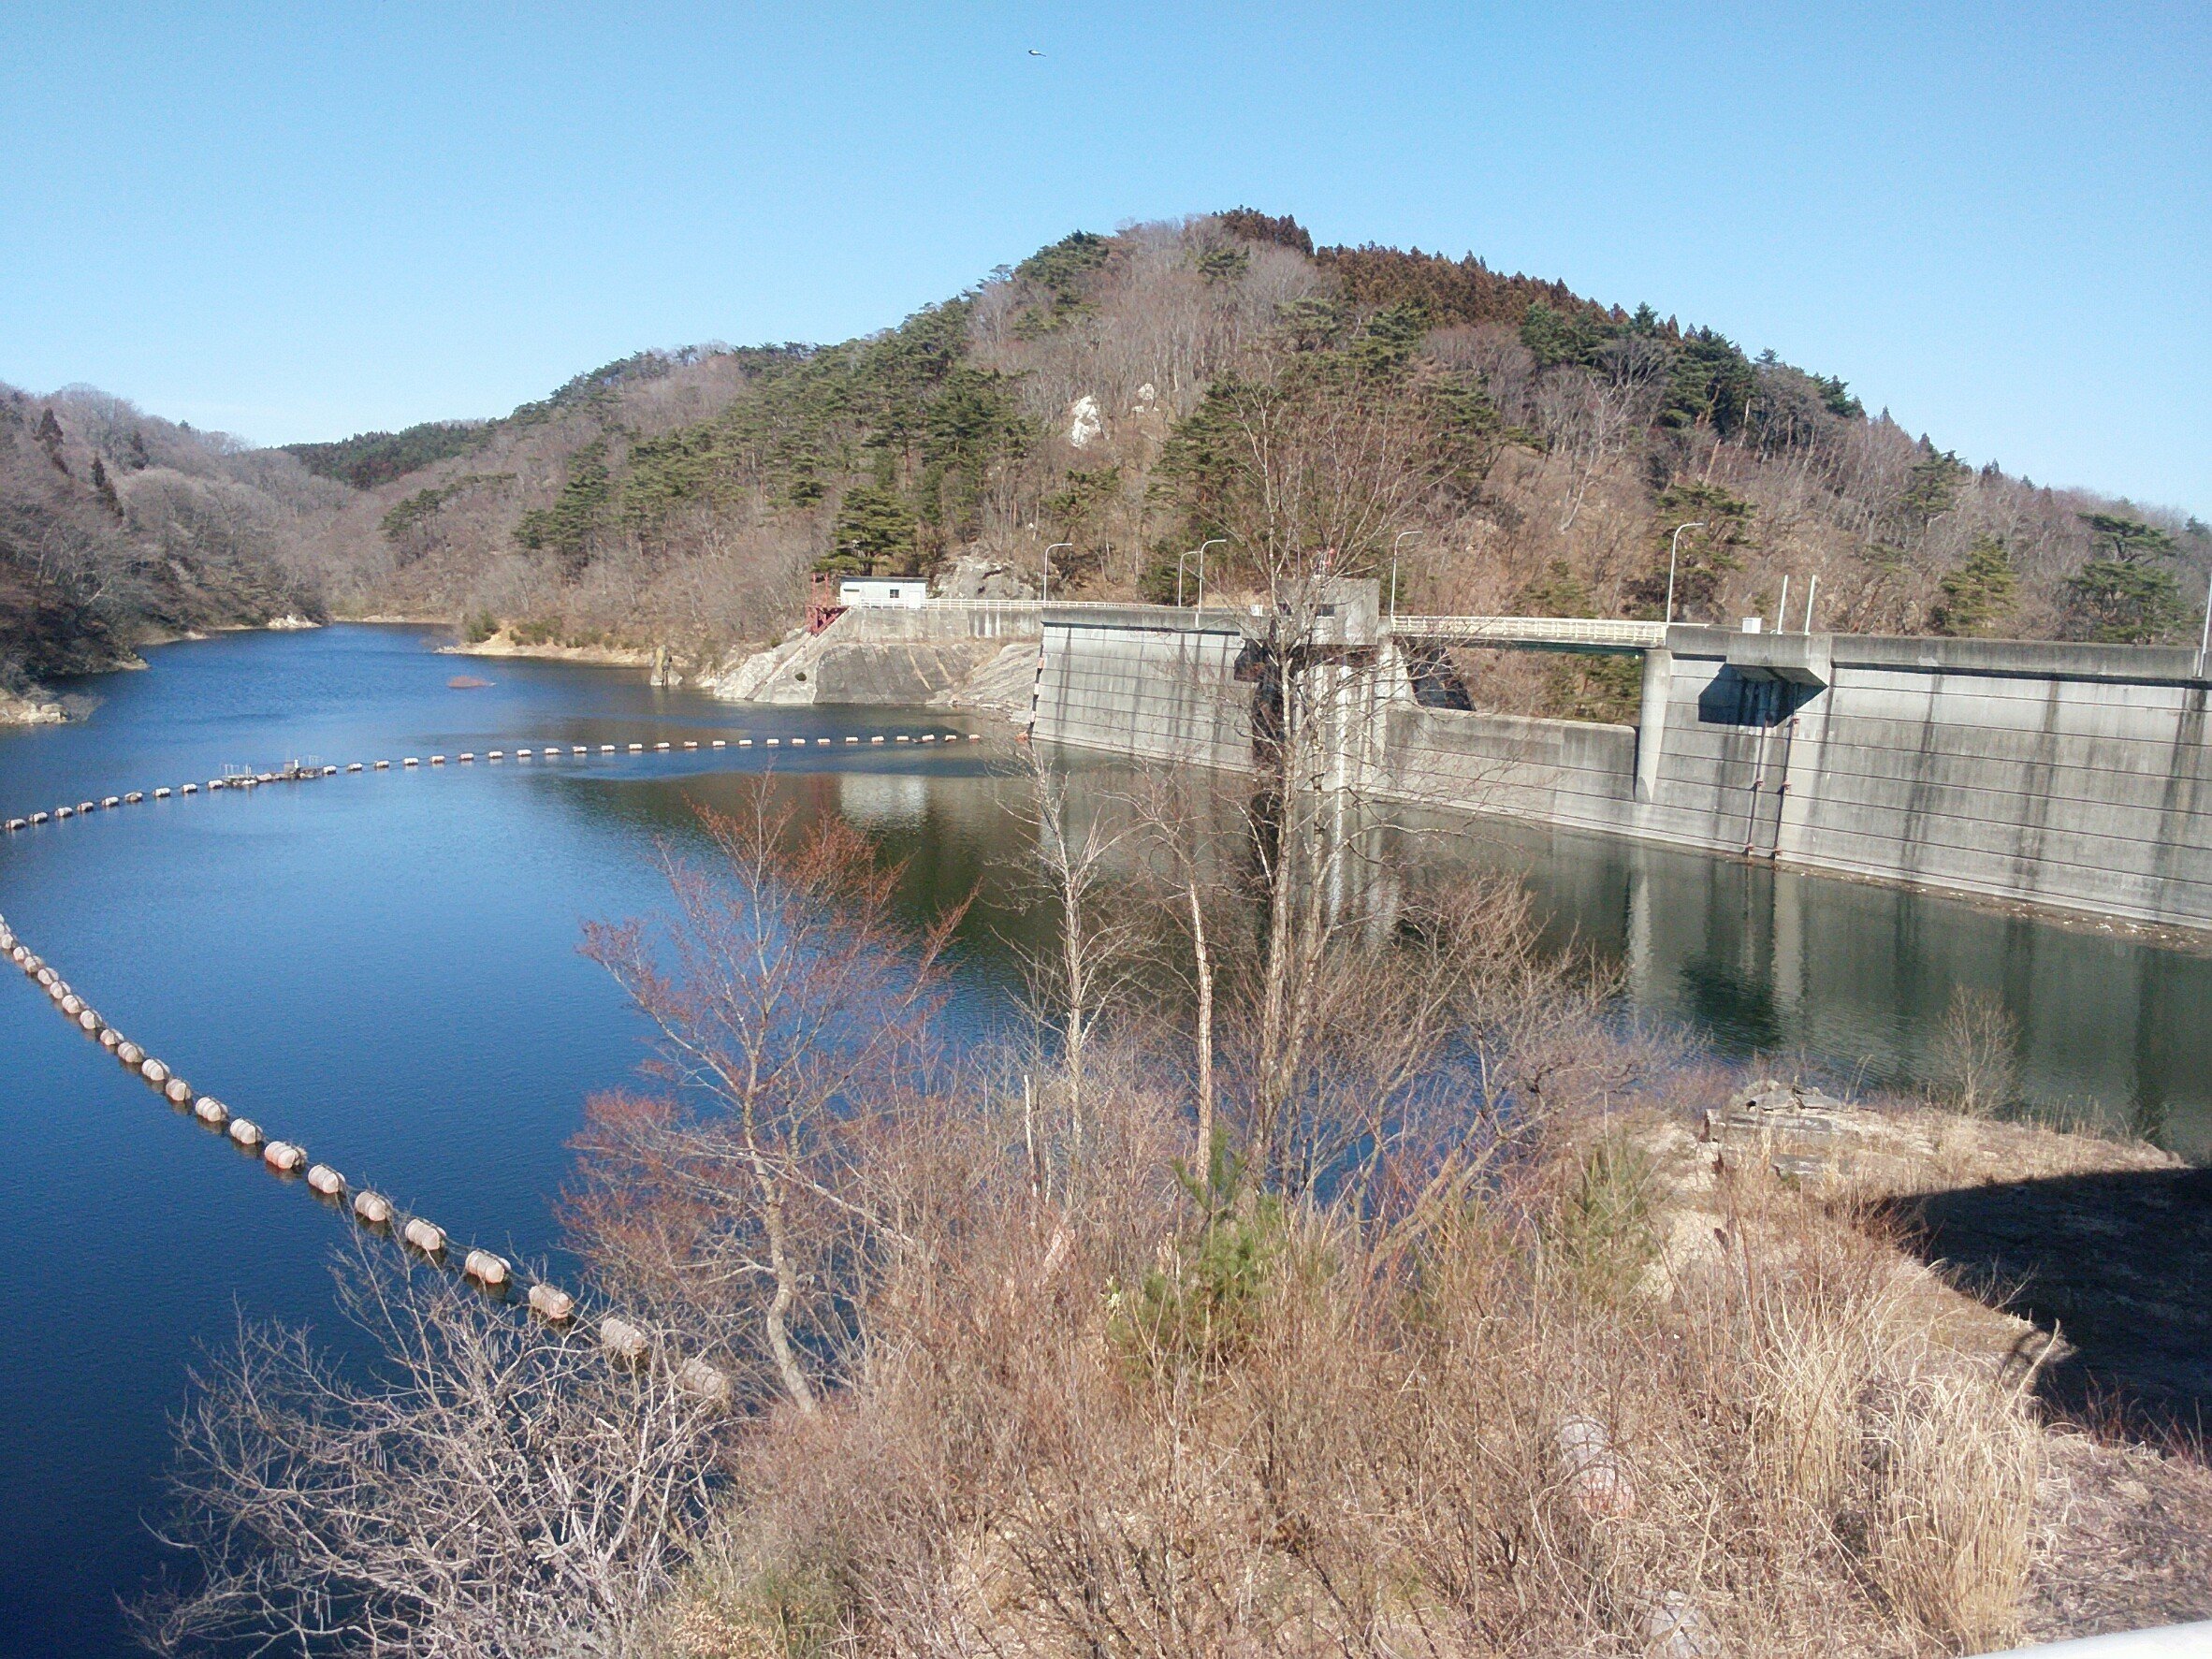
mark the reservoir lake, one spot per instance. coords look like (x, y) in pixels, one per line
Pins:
(383, 966)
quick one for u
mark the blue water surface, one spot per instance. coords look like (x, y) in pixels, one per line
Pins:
(383, 967)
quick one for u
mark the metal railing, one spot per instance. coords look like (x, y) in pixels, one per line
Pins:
(1558, 630)
(1589, 630)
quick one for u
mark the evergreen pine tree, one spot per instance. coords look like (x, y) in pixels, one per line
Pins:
(49, 434)
(1980, 594)
(104, 488)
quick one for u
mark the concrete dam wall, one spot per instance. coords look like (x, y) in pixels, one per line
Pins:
(2072, 775)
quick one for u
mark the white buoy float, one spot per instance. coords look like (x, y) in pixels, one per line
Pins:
(88, 1021)
(153, 1071)
(721, 743)
(877, 738)
(245, 1132)
(552, 1303)
(210, 1112)
(637, 749)
(326, 1180)
(72, 1005)
(111, 801)
(466, 757)
(192, 789)
(437, 760)
(384, 766)
(853, 740)
(495, 754)
(177, 1092)
(411, 761)
(135, 797)
(426, 1236)
(711, 1383)
(130, 1054)
(283, 1156)
(622, 1340)
(372, 1208)
(607, 749)
(354, 767)
(110, 1037)
(485, 1268)
(690, 743)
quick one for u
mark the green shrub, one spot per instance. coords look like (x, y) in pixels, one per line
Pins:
(1601, 1234)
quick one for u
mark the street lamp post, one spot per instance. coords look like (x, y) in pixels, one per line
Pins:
(1200, 550)
(2204, 637)
(1400, 537)
(1673, 548)
(1047, 592)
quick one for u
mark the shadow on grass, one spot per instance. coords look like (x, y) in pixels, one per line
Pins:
(2117, 1265)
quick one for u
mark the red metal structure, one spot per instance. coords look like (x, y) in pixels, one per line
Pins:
(824, 605)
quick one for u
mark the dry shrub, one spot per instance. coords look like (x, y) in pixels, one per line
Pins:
(1976, 1062)
(1950, 1536)
(1129, 1428)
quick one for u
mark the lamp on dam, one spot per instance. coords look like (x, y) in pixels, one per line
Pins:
(1047, 591)
(1395, 543)
(1674, 547)
(1197, 553)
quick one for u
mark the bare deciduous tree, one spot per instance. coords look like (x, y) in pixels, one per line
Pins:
(484, 1487)
(791, 1007)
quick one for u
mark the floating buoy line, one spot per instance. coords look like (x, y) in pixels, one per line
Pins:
(623, 1342)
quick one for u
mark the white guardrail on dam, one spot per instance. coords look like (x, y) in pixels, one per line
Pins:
(1568, 631)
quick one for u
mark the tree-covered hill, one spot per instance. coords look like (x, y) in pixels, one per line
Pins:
(1512, 444)
(118, 528)
(1521, 446)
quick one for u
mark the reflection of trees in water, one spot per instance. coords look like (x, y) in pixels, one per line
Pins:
(2110, 1029)
(1720, 1001)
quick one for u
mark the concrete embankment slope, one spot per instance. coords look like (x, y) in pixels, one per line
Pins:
(2072, 775)
(889, 657)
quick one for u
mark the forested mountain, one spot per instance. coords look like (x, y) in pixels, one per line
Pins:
(117, 529)
(1517, 445)
(1107, 391)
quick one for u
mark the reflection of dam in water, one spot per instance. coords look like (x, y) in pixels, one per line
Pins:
(1856, 977)
(880, 802)
(1848, 980)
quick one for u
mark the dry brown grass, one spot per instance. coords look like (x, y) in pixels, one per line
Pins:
(1119, 1429)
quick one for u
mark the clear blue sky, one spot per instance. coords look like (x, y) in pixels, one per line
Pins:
(303, 221)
